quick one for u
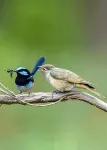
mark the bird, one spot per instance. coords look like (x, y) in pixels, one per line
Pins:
(64, 80)
(24, 79)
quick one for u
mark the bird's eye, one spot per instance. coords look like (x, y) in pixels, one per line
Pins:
(44, 69)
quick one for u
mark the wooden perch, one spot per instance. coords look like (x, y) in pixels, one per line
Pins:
(46, 98)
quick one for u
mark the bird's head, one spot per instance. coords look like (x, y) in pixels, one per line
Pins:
(21, 71)
(46, 68)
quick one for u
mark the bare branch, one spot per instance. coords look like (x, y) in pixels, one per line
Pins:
(46, 98)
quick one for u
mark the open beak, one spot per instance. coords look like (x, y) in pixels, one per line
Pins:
(14, 70)
(41, 68)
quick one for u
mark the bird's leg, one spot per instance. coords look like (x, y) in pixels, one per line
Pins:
(66, 91)
(20, 92)
(55, 92)
(58, 91)
(29, 93)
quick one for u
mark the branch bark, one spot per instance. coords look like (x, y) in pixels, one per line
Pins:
(45, 98)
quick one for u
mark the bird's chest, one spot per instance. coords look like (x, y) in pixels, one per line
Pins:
(26, 87)
(22, 81)
(58, 84)
(24, 84)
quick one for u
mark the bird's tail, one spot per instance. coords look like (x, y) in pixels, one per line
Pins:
(39, 63)
(90, 88)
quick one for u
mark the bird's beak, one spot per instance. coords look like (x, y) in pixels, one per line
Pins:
(14, 70)
(9, 70)
(40, 68)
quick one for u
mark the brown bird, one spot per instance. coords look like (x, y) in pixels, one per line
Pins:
(64, 80)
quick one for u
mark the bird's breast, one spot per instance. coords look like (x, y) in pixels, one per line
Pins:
(22, 80)
(59, 84)
(26, 87)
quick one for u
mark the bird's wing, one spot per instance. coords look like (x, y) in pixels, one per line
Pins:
(66, 75)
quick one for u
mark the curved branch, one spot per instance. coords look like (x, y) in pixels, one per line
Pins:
(41, 97)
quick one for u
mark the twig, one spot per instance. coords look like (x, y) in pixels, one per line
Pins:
(46, 98)
(35, 99)
(11, 94)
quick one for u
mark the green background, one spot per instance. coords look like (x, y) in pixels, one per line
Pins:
(71, 35)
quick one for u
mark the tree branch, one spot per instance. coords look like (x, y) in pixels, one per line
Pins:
(46, 98)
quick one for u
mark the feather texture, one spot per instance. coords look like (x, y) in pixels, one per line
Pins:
(39, 62)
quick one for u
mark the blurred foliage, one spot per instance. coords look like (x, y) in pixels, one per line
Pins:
(43, 22)
(58, 30)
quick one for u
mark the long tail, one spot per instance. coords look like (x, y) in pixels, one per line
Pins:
(89, 87)
(39, 63)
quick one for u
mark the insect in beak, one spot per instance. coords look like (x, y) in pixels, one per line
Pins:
(10, 71)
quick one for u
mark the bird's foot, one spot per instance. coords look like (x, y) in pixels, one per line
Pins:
(55, 92)
(20, 92)
(29, 94)
(63, 92)
(66, 91)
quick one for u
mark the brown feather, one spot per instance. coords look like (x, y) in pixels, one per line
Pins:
(89, 88)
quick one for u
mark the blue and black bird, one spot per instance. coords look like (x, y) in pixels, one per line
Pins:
(24, 80)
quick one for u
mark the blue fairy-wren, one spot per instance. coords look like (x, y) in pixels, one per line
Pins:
(25, 79)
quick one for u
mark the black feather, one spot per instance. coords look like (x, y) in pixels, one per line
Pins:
(88, 85)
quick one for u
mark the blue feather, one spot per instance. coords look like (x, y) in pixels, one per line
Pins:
(39, 63)
(20, 68)
(24, 88)
(24, 73)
